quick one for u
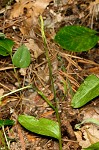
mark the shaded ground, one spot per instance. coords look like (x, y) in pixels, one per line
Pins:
(20, 22)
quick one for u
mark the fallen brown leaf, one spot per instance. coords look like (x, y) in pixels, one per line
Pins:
(30, 10)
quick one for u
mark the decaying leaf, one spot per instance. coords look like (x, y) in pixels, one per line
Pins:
(34, 47)
(1, 92)
(90, 134)
(94, 8)
(88, 131)
(30, 10)
(38, 7)
(22, 71)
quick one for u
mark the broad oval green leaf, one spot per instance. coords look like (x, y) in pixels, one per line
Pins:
(21, 57)
(41, 126)
(88, 90)
(76, 38)
(6, 122)
(6, 46)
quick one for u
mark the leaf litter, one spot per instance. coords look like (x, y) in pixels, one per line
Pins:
(21, 23)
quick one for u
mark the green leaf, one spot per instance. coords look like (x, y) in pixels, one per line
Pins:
(3, 51)
(6, 46)
(88, 120)
(2, 35)
(6, 122)
(21, 58)
(76, 38)
(41, 126)
(94, 146)
(88, 90)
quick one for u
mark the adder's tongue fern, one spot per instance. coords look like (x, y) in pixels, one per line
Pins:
(51, 80)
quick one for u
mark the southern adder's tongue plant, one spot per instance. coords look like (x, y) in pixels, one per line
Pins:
(71, 38)
(21, 57)
(77, 39)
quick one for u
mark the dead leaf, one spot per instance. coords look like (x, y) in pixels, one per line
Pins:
(83, 143)
(22, 71)
(89, 133)
(1, 92)
(92, 134)
(34, 47)
(33, 10)
(94, 8)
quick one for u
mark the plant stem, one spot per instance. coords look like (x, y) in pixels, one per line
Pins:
(16, 75)
(8, 145)
(45, 98)
(29, 86)
(51, 79)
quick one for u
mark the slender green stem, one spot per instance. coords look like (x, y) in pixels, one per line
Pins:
(15, 71)
(51, 80)
(46, 99)
(29, 86)
(8, 145)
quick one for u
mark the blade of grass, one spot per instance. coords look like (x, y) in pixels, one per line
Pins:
(20, 89)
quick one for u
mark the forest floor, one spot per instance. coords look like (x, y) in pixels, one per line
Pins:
(19, 21)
